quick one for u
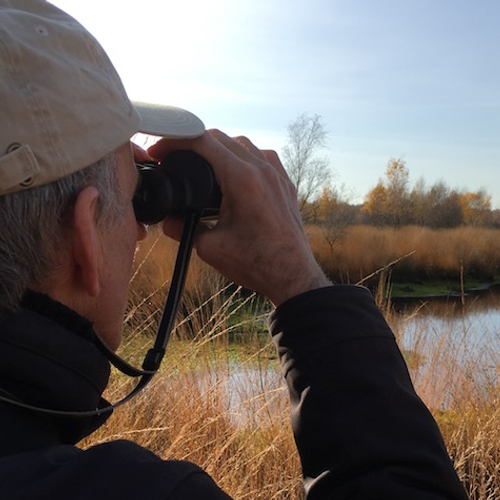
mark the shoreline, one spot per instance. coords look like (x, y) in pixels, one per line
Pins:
(410, 291)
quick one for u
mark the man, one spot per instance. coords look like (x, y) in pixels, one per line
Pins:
(68, 234)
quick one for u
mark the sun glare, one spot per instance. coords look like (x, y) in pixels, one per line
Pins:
(157, 46)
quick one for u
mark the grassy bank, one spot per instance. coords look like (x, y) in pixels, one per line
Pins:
(441, 288)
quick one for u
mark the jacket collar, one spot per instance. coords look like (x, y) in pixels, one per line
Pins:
(48, 359)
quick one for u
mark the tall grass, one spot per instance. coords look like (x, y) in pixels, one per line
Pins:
(434, 252)
(223, 405)
(217, 402)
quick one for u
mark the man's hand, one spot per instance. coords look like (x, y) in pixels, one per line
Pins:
(259, 241)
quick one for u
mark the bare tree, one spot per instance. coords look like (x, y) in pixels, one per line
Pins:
(309, 173)
(335, 215)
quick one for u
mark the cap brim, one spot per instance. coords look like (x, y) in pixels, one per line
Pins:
(168, 121)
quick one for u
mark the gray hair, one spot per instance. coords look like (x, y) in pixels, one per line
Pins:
(32, 225)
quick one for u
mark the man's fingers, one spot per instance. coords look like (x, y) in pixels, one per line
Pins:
(273, 158)
(249, 147)
(215, 145)
(140, 155)
(164, 146)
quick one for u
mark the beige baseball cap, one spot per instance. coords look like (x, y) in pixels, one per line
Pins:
(63, 105)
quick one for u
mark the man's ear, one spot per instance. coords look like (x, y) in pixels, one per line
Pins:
(85, 241)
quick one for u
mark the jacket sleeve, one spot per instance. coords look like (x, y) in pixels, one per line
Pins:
(360, 429)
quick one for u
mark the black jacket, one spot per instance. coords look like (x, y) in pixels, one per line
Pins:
(360, 429)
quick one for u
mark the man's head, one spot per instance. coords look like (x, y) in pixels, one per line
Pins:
(67, 172)
(48, 234)
(64, 114)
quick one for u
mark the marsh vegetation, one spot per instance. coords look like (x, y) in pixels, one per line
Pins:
(220, 401)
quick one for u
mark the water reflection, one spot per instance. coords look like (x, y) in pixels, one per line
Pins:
(248, 394)
(453, 347)
(453, 352)
(477, 319)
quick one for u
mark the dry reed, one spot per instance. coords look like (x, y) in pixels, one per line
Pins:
(226, 409)
(435, 252)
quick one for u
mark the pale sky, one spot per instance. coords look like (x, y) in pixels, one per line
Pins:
(417, 79)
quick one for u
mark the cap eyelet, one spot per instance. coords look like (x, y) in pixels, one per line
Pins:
(13, 147)
(28, 182)
(41, 30)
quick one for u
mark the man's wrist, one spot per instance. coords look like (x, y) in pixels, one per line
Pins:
(298, 286)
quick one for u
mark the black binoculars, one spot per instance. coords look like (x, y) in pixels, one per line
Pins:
(182, 183)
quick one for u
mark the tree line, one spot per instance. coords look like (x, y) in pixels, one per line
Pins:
(392, 202)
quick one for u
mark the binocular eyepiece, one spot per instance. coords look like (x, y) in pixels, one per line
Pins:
(183, 182)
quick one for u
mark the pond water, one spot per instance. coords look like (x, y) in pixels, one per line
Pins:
(452, 349)
(475, 320)
(452, 346)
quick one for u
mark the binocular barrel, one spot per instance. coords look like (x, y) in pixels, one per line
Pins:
(183, 182)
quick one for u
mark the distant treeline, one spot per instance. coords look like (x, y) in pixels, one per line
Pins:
(393, 203)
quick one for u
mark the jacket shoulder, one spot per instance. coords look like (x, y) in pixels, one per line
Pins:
(115, 470)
